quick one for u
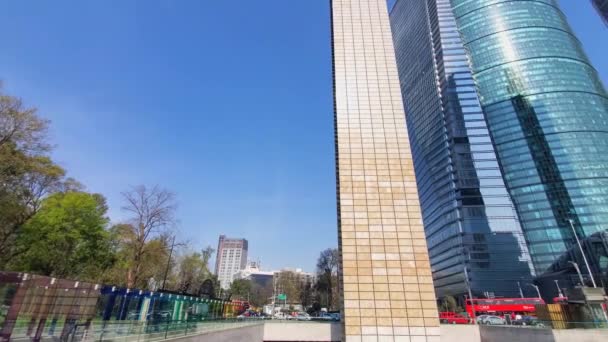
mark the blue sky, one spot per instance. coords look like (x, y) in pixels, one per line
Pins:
(227, 103)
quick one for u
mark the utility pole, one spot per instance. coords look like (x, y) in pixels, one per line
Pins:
(580, 247)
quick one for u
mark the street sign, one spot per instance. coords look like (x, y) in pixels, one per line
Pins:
(282, 296)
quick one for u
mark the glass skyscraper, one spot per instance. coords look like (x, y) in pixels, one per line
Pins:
(474, 237)
(547, 113)
(602, 9)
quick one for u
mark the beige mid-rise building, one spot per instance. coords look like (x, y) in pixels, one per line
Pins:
(387, 285)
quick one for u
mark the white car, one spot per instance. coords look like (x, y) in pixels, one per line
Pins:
(494, 320)
(481, 319)
(302, 316)
(280, 315)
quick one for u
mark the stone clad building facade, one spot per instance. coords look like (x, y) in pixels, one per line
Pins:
(387, 283)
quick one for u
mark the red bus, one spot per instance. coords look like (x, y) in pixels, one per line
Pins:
(502, 306)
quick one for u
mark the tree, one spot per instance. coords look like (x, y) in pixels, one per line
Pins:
(260, 293)
(448, 304)
(290, 284)
(193, 271)
(152, 213)
(240, 289)
(66, 238)
(306, 295)
(27, 174)
(327, 277)
(152, 265)
(21, 126)
(22, 190)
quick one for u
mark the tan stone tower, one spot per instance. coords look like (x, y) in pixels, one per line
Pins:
(387, 285)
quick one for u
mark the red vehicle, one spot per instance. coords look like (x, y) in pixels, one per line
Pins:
(240, 306)
(453, 318)
(560, 300)
(502, 306)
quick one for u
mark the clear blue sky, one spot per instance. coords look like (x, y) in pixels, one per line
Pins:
(227, 103)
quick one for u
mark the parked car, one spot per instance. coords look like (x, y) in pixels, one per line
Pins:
(494, 320)
(280, 315)
(323, 317)
(453, 318)
(302, 316)
(529, 321)
(481, 319)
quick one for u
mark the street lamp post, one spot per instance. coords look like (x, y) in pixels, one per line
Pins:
(559, 291)
(580, 247)
(168, 263)
(536, 287)
(521, 293)
(466, 277)
(578, 270)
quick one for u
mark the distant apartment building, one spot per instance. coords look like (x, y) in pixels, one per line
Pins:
(231, 258)
(602, 8)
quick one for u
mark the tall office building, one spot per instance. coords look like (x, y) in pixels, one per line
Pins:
(547, 112)
(387, 284)
(231, 258)
(474, 237)
(602, 8)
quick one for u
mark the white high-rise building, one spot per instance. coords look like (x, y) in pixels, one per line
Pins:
(231, 258)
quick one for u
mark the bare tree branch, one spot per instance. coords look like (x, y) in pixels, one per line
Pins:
(153, 212)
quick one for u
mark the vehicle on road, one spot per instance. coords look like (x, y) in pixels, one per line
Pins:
(529, 321)
(328, 317)
(302, 316)
(280, 315)
(502, 306)
(453, 318)
(494, 320)
(481, 319)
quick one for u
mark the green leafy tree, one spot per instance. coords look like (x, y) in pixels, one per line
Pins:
(448, 304)
(151, 267)
(66, 238)
(240, 289)
(193, 271)
(27, 174)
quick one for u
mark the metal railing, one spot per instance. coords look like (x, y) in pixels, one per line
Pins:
(122, 331)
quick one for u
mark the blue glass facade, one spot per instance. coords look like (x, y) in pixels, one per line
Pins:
(547, 112)
(602, 9)
(470, 222)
